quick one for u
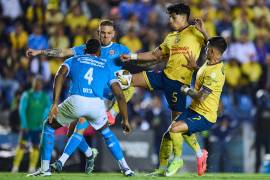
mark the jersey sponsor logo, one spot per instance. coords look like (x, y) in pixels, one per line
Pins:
(93, 62)
(179, 50)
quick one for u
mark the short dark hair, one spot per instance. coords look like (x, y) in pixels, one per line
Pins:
(219, 43)
(179, 8)
(92, 46)
(106, 23)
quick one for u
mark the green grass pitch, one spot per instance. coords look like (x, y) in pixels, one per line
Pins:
(139, 176)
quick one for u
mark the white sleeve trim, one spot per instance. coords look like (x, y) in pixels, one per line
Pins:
(114, 81)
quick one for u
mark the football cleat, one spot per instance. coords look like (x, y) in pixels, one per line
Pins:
(90, 161)
(174, 167)
(56, 166)
(202, 163)
(39, 172)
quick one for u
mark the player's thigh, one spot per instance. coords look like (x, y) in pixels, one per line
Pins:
(194, 122)
(175, 98)
(66, 113)
(96, 115)
(81, 126)
(138, 80)
(179, 127)
(147, 79)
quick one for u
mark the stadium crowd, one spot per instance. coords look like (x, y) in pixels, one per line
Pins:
(141, 25)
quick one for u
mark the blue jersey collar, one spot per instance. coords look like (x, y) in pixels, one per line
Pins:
(108, 45)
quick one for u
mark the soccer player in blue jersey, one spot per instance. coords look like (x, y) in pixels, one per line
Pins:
(110, 51)
(89, 76)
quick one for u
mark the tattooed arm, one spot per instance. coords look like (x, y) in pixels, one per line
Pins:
(197, 96)
(50, 52)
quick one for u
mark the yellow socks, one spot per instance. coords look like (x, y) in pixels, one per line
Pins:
(177, 141)
(165, 151)
(18, 158)
(193, 143)
(34, 156)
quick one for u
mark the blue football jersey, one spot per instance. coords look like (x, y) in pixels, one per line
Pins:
(112, 54)
(89, 75)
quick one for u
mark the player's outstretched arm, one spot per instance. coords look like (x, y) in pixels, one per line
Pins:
(50, 52)
(121, 100)
(145, 56)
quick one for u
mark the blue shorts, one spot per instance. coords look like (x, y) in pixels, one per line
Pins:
(172, 89)
(194, 121)
(33, 136)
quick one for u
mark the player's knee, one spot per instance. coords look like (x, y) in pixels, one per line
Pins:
(174, 129)
(179, 127)
(82, 120)
(81, 126)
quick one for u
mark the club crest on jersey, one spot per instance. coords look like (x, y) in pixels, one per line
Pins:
(111, 52)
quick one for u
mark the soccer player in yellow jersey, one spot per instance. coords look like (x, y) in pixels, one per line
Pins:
(185, 38)
(202, 113)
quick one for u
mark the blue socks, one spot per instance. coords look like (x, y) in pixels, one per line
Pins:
(47, 145)
(112, 143)
(71, 146)
(84, 147)
(73, 143)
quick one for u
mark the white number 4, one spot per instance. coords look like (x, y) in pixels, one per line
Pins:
(89, 75)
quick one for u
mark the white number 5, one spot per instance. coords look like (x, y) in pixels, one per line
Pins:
(89, 75)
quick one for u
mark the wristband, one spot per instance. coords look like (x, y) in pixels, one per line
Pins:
(133, 56)
(186, 89)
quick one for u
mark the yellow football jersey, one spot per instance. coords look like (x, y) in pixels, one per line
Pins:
(212, 77)
(176, 44)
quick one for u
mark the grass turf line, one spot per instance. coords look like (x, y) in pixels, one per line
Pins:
(139, 176)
